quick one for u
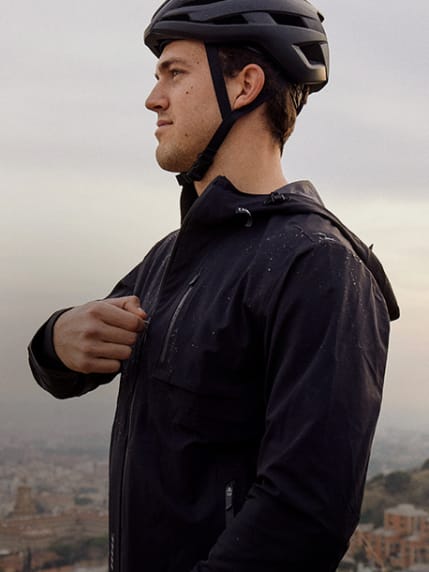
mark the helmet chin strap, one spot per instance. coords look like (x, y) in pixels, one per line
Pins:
(229, 117)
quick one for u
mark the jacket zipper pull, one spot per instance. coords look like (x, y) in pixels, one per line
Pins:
(229, 505)
(277, 197)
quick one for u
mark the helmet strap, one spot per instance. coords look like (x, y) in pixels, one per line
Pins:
(218, 79)
(229, 117)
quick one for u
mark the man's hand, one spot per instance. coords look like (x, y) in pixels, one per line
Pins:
(98, 336)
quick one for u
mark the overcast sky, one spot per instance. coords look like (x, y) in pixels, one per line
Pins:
(82, 199)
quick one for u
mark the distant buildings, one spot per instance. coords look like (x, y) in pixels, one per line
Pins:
(402, 543)
(25, 532)
(24, 503)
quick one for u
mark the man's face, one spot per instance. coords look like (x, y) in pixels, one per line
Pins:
(185, 101)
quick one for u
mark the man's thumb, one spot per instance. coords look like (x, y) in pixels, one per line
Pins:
(132, 304)
(129, 303)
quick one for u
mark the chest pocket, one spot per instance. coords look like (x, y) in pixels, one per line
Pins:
(205, 377)
(169, 343)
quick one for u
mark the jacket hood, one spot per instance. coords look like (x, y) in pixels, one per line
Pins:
(222, 202)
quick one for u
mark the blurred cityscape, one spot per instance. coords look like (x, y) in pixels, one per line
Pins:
(53, 506)
(401, 544)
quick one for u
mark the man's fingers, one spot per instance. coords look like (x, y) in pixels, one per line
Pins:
(101, 357)
(115, 312)
(105, 366)
(130, 304)
(114, 335)
(106, 351)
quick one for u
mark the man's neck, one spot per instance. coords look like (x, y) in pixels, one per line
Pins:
(249, 159)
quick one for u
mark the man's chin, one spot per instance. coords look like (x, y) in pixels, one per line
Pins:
(173, 166)
(172, 162)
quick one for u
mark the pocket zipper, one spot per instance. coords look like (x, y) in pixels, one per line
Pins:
(175, 316)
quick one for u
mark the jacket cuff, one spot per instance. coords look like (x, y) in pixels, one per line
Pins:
(42, 345)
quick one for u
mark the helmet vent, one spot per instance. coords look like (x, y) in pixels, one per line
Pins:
(288, 20)
(313, 53)
(231, 20)
(177, 18)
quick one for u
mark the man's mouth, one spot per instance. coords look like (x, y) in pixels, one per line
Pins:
(163, 123)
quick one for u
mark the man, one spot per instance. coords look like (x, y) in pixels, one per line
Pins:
(252, 342)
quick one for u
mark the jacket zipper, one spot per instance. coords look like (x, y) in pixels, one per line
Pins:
(112, 552)
(116, 553)
(117, 541)
(175, 316)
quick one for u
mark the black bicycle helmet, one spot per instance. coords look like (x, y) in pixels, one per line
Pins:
(289, 32)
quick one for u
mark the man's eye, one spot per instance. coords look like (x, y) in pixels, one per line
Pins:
(175, 73)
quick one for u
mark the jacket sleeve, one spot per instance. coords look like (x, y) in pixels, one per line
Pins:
(50, 373)
(326, 337)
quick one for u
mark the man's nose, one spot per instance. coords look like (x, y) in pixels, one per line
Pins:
(156, 100)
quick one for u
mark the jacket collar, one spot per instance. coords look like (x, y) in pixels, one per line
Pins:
(221, 199)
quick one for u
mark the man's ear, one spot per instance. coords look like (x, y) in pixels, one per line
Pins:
(245, 86)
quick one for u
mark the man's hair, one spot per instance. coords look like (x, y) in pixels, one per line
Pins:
(284, 99)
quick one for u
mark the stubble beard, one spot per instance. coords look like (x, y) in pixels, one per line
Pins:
(174, 160)
(179, 156)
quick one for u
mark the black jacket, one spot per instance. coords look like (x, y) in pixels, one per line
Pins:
(246, 413)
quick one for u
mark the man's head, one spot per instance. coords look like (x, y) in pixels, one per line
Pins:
(285, 38)
(185, 101)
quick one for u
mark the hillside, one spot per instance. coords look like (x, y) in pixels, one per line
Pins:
(398, 487)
